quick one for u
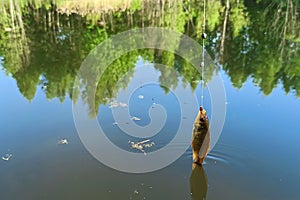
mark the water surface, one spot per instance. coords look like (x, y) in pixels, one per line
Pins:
(255, 48)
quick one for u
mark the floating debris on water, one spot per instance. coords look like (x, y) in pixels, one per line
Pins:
(63, 141)
(135, 192)
(138, 147)
(142, 142)
(149, 145)
(122, 104)
(141, 145)
(114, 104)
(6, 157)
(135, 118)
(141, 97)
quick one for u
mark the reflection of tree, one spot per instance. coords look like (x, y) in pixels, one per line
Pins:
(117, 76)
(285, 33)
(262, 43)
(267, 50)
(59, 42)
(166, 61)
(13, 36)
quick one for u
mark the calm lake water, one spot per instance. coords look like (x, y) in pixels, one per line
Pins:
(253, 47)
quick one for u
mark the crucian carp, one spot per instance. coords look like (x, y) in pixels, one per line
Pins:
(200, 137)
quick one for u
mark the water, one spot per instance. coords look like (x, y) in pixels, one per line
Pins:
(257, 154)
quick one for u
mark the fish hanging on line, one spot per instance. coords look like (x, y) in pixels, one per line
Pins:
(200, 137)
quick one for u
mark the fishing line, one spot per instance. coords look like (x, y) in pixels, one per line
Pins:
(203, 49)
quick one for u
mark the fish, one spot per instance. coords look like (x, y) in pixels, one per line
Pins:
(200, 137)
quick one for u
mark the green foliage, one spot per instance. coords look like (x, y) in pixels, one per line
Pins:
(136, 5)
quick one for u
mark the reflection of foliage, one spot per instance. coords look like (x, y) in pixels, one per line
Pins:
(263, 50)
(213, 16)
(238, 17)
(116, 77)
(12, 36)
(44, 42)
(168, 78)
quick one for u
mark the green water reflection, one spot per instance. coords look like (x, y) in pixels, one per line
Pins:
(198, 182)
(43, 43)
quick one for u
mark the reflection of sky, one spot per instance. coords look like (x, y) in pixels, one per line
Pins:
(266, 127)
(274, 117)
(153, 95)
(139, 108)
(23, 123)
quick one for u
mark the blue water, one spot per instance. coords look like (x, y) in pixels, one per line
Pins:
(256, 156)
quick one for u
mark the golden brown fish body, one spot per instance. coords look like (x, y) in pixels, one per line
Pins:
(200, 137)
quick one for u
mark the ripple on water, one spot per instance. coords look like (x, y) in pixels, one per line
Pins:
(227, 156)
